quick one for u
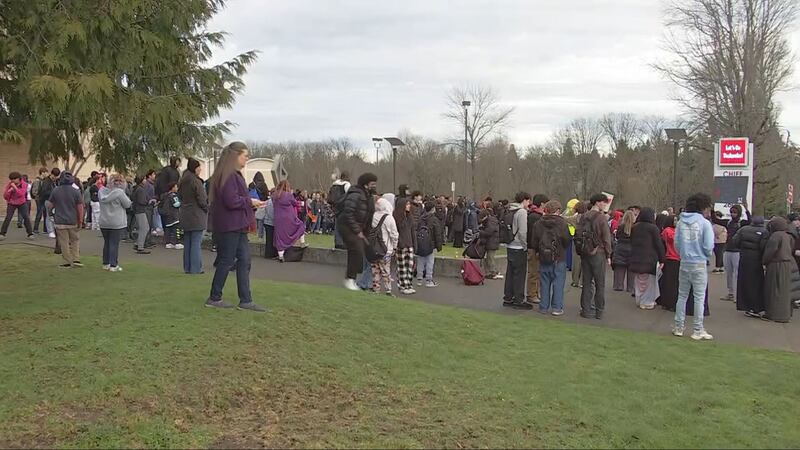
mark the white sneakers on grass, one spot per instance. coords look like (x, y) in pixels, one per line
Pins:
(351, 285)
(702, 335)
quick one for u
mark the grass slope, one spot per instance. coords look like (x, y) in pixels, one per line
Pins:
(98, 359)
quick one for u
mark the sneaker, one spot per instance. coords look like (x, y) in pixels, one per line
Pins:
(598, 314)
(115, 269)
(77, 263)
(250, 306)
(217, 304)
(390, 295)
(752, 314)
(31, 237)
(408, 291)
(51, 235)
(728, 298)
(557, 312)
(178, 246)
(169, 246)
(142, 252)
(419, 282)
(431, 284)
(106, 266)
(498, 276)
(702, 336)
(677, 331)
(522, 306)
(507, 303)
(533, 300)
(65, 266)
(351, 285)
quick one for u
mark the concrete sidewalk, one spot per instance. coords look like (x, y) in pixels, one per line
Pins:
(725, 323)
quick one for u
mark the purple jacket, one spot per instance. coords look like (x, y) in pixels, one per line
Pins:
(232, 208)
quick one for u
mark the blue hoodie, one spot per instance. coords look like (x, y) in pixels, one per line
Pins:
(694, 238)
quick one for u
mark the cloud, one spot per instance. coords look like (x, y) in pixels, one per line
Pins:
(361, 68)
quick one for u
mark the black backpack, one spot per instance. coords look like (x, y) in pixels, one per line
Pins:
(548, 250)
(424, 241)
(507, 233)
(376, 248)
(336, 194)
(585, 238)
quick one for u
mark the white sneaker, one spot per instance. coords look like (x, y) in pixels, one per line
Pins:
(351, 285)
(702, 336)
(419, 282)
(677, 331)
(115, 269)
(407, 291)
(170, 246)
(52, 235)
(106, 266)
(499, 276)
(178, 246)
(431, 284)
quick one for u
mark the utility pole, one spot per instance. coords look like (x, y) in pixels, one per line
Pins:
(466, 104)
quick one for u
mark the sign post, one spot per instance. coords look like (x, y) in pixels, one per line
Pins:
(453, 189)
(733, 174)
(789, 198)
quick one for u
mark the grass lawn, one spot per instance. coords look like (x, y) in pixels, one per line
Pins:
(326, 241)
(132, 359)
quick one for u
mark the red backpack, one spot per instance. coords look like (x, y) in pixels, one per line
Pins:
(471, 272)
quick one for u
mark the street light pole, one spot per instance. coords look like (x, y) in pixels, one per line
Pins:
(466, 104)
(377, 143)
(675, 135)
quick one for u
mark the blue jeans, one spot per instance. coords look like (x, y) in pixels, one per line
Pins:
(364, 279)
(691, 276)
(192, 256)
(156, 225)
(260, 228)
(316, 226)
(425, 266)
(111, 240)
(233, 251)
(552, 278)
(41, 214)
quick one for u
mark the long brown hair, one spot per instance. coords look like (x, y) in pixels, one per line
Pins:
(281, 188)
(627, 222)
(226, 166)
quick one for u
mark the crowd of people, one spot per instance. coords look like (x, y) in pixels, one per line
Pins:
(660, 259)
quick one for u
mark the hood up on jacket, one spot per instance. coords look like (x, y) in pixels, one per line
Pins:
(384, 206)
(390, 198)
(777, 224)
(647, 215)
(66, 179)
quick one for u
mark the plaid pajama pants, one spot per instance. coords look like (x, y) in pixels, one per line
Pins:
(405, 268)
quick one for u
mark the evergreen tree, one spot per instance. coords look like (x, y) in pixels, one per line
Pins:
(125, 80)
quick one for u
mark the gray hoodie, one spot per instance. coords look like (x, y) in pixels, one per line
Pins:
(519, 228)
(113, 203)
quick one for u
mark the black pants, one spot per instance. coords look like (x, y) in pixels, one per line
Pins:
(458, 239)
(355, 252)
(41, 214)
(719, 253)
(269, 246)
(516, 275)
(593, 268)
(23, 211)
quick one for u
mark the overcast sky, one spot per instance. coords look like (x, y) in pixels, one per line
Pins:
(364, 68)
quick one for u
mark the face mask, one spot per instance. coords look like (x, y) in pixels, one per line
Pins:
(373, 191)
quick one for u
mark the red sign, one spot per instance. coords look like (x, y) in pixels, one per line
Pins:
(733, 151)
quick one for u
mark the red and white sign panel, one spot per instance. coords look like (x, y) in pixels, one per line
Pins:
(733, 151)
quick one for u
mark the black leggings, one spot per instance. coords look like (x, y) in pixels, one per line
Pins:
(719, 252)
(355, 253)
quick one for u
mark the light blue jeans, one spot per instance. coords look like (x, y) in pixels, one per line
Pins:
(364, 279)
(695, 277)
(425, 267)
(192, 255)
(552, 278)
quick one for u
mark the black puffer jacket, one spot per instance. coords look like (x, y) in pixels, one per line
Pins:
(622, 249)
(647, 248)
(490, 233)
(457, 219)
(357, 211)
(751, 240)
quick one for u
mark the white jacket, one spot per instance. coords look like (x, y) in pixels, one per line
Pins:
(384, 207)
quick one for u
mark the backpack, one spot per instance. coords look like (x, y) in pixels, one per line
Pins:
(548, 250)
(471, 273)
(35, 186)
(336, 194)
(424, 240)
(507, 233)
(585, 238)
(475, 250)
(376, 248)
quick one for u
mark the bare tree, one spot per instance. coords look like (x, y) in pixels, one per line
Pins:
(486, 116)
(623, 130)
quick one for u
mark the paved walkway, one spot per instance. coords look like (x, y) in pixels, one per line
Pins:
(725, 323)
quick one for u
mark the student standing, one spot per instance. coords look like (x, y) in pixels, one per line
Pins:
(112, 219)
(405, 245)
(551, 239)
(593, 236)
(517, 259)
(67, 202)
(193, 215)
(694, 240)
(231, 217)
